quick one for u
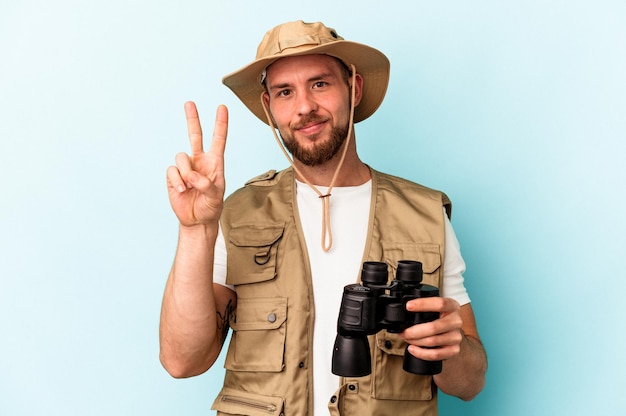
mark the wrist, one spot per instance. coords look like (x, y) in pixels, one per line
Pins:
(198, 231)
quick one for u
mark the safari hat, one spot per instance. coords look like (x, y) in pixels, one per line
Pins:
(300, 38)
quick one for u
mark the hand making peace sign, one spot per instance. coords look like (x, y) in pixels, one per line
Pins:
(196, 184)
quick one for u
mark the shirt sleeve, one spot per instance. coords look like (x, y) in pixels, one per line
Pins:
(453, 268)
(219, 262)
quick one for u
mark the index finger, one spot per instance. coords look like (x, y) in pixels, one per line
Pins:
(194, 130)
(432, 304)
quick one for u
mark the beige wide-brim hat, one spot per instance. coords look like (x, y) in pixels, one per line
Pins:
(300, 38)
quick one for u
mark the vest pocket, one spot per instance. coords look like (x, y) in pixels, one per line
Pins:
(258, 339)
(428, 254)
(236, 402)
(252, 253)
(389, 380)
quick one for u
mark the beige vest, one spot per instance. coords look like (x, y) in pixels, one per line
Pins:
(269, 364)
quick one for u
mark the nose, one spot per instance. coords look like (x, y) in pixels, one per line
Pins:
(305, 103)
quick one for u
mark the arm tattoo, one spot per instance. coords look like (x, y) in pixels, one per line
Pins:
(223, 321)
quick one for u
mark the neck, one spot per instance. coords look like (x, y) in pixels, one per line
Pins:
(353, 172)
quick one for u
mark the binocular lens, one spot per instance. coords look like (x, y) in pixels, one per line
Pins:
(351, 356)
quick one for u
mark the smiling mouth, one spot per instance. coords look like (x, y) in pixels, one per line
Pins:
(311, 128)
(310, 125)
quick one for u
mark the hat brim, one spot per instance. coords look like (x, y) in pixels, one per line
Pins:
(370, 63)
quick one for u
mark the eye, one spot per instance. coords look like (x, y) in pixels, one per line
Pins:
(283, 93)
(320, 84)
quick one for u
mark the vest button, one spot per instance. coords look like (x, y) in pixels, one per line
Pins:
(301, 365)
(271, 317)
(388, 344)
(351, 387)
(333, 399)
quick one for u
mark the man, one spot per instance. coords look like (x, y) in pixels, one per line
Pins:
(262, 264)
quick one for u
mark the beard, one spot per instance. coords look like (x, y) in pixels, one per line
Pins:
(318, 153)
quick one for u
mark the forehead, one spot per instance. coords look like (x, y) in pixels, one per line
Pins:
(304, 63)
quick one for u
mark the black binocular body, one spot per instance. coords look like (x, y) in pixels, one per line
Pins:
(375, 305)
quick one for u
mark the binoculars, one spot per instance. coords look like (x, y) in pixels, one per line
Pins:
(374, 305)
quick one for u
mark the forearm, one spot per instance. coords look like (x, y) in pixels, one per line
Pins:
(189, 335)
(463, 375)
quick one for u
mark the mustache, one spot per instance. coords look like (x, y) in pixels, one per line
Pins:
(306, 120)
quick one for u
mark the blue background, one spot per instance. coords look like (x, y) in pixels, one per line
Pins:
(516, 109)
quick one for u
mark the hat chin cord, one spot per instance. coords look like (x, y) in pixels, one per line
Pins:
(327, 234)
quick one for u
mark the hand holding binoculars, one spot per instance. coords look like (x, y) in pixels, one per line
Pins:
(374, 305)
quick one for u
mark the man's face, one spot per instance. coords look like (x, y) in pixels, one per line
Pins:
(309, 99)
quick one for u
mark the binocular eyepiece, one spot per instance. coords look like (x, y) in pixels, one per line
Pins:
(374, 305)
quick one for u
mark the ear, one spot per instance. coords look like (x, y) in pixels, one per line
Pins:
(358, 89)
(265, 97)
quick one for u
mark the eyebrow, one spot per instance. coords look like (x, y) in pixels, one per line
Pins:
(318, 77)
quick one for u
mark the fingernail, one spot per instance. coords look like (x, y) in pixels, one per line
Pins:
(181, 188)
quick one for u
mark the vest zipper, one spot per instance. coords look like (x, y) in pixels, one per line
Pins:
(268, 407)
